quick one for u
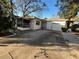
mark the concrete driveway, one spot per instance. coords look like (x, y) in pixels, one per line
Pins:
(38, 37)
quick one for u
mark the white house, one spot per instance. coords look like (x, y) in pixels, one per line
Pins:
(55, 24)
(58, 20)
(29, 22)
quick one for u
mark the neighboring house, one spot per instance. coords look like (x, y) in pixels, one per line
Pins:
(55, 24)
(58, 20)
(29, 22)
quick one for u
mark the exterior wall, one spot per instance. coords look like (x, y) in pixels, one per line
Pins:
(56, 26)
(53, 26)
(49, 25)
(60, 22)
(34, 26)
(43, 25)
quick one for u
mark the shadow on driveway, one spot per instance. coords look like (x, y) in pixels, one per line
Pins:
(39, 38)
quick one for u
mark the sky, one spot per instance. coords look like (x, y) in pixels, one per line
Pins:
(51, 11)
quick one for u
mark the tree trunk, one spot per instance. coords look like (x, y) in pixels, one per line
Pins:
(68, 23)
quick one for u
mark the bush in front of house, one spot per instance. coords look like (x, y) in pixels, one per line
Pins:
(6, 26)
(64, 29)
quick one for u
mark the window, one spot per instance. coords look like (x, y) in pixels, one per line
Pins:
(37, 22)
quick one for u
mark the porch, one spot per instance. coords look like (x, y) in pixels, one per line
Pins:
(28, 23)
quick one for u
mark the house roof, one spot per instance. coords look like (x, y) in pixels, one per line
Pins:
(76, 19)
(27, 18)
(32, 18)
(43, 20)
(56, 19)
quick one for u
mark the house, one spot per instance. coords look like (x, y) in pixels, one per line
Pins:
(58, 20)
(55, 24)
(28, 22)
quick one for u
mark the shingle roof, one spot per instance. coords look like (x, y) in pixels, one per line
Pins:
(56, 19)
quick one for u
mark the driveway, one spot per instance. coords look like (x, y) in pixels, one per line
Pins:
(38, 37)
(40, 45)
(71, 38)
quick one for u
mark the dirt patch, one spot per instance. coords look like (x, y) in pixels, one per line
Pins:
(30, 52)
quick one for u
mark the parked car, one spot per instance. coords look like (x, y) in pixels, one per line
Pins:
(75, 27)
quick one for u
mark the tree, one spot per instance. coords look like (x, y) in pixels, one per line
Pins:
(7, 6)
(26, 7)
(6, 15)
(68, 9)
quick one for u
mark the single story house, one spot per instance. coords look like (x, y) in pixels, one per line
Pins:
(55, 24)
(28, 22)
(58, 20)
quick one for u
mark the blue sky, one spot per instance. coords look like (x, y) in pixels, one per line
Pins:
(51, 11)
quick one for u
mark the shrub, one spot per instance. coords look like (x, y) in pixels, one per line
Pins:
(74, 27)
(64, 29)
(6, 25)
